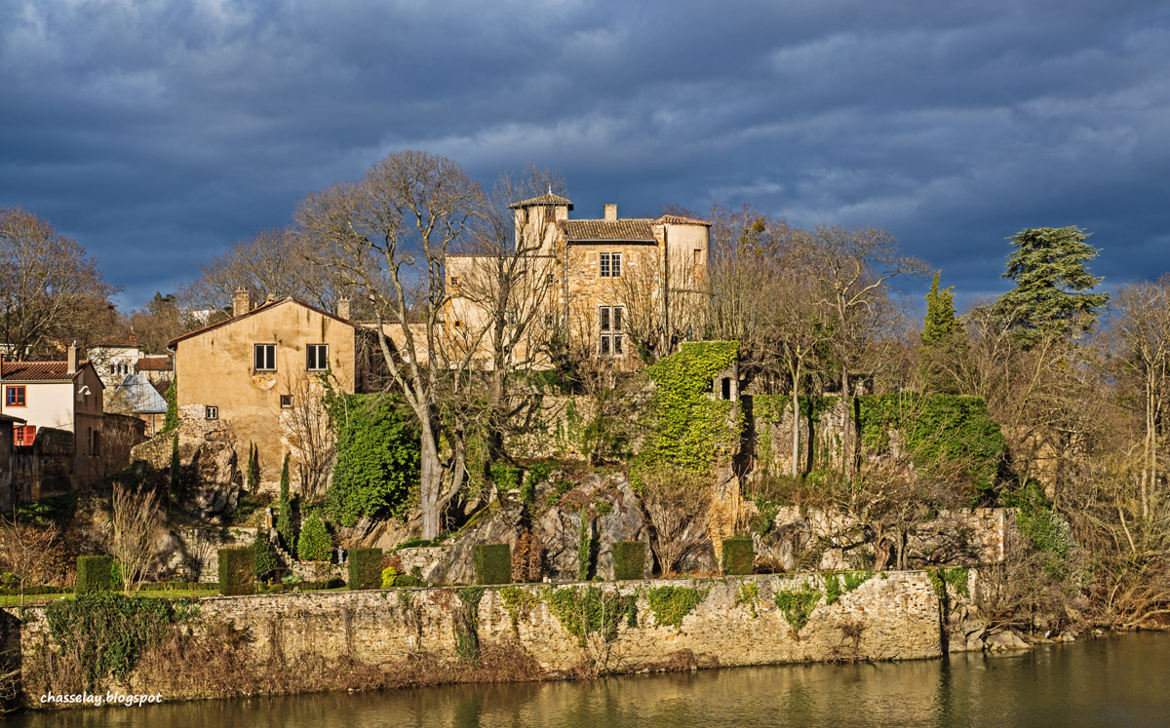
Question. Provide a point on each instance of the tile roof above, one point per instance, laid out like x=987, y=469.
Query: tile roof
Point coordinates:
x=549, y=199
x=630, y=230
x=39, y=371
x=680, y=220
x=155, y=364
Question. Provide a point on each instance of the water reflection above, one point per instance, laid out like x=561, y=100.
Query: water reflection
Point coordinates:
x=1122, y=681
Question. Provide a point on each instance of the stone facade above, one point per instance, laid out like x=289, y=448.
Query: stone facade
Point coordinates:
x=412, y=633
x=274, y=403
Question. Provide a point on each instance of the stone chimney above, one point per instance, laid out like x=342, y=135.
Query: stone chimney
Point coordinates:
x=611, y=211
x=343, y=308
x=241, y=302
x=72, y=358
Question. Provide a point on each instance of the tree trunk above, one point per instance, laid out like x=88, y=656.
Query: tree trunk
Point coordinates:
x=795, y=432
x=847, y=427
x=430, y=481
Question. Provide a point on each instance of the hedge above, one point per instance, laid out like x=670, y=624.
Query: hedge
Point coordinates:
x=737, y=555
x=365, y=568
x=237, y=570
x=93, y=573
x=493, y=563
x=629, y=560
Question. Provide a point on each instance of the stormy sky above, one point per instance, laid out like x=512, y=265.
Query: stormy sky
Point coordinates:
x=158, y=133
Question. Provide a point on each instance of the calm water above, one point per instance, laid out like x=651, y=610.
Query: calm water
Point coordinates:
x=1118, y=681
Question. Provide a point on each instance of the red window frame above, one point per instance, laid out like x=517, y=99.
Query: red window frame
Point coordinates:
x=15, y=396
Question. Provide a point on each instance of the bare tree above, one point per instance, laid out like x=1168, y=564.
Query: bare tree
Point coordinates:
x=310, y=434
x=29, y=552
x=48, y=287
x=1141, y=325
x=388, y=237
x=137, y=522
x=851, y=267
x=274, y=263
x=676, y=504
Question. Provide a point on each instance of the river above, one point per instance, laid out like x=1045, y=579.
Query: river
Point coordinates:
x=1114, y=681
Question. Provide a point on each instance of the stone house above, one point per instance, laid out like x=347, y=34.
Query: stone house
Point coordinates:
x=605, y=285
x=261, y=371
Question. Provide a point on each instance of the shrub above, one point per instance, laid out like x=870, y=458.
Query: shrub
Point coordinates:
x=737, y=555
x=586, y=547
x=264, y=555
x=237, y=570
x=391, y=578
x=493, y=563
x=629, y=560
x=314, y=543
x=365, y=568
x=377, y=457
x=93, y=573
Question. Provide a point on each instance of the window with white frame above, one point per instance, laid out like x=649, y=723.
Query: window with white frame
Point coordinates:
x=211, y=412
x=264, y=359
x=610, y=265
x=317, y=357
x=612, y=328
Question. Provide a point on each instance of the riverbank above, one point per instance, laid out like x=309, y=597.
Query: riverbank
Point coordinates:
x=360, y=640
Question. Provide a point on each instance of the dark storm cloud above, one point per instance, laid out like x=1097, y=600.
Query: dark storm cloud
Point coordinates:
x=157, y=133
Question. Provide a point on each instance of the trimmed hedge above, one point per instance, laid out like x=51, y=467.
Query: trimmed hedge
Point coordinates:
x=737, y=555
x=93, y=573
x=365, y=568
x=629, y=560
x=493, y=563
x=237, y=570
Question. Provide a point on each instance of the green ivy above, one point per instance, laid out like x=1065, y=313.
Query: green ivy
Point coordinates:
x=832, y=588
x=854, y=579
x=467, y=624
x=749, y=594
x=586, y=547
x=107, y=633
x=797, y=605
x=936, y=429
x=583, y=611
x=671, y=604
x=171, y=420
x=377, y=466
x=518, y=603
x=687, y=428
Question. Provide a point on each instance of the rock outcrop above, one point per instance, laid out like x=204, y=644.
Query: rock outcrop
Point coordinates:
x=211, y=478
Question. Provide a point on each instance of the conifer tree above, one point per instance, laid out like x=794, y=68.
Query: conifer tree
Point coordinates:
x=1053, y=285
x=314, y=543
x=284, y=524
x=942, y=340
x=171, y=420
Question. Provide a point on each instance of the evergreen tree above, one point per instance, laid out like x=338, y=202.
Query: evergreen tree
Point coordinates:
x=1053, y=284
x=264, y=555
x=171, y=421
x=314, y=543
x=943, y=340
x=253, y=468
x=284, y=522
x=176, y=467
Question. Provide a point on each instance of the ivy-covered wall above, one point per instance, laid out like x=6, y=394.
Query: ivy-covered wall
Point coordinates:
x=939, y=431
x=686, y=427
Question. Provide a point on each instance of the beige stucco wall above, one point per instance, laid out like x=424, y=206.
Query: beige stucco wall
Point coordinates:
x=215, y=368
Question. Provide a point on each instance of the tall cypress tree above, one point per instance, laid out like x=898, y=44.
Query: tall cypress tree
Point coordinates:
x=943, y=340
x=1053, y=284
x=284, y=524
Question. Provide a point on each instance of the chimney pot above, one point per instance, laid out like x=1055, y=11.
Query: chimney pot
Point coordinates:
x=343, y=307
x=73, y=358
x=611, y=211
x=241, y=302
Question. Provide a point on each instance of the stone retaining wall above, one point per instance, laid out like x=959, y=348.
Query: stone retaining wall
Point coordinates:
x=384, y=638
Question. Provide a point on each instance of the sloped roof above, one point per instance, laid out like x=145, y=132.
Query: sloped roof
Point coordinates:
x=549, y=199
x=136, y=395
x=633, y=230
x=39, y=371
x=680, y=220
x=253, y=312
x=155, y=364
